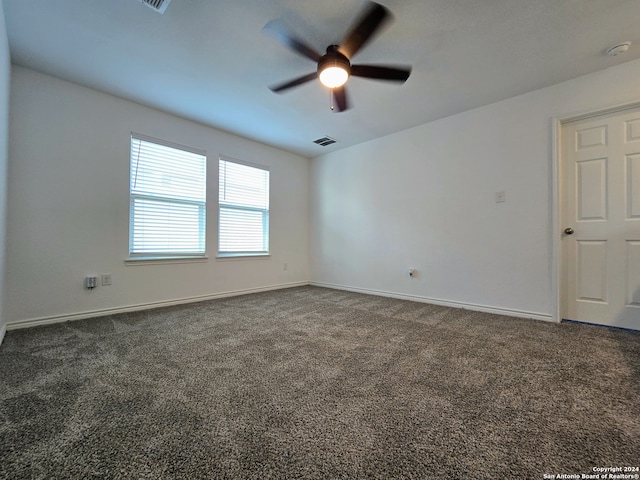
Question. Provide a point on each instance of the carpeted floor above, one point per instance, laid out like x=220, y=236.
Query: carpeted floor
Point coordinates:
x=316, y=383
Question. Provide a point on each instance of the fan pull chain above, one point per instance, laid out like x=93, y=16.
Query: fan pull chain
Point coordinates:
x=331, y=97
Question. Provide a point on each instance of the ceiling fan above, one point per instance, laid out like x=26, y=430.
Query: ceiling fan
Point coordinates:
x=334, y=67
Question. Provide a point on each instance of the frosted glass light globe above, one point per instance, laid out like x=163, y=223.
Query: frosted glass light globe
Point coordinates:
x=334, y=77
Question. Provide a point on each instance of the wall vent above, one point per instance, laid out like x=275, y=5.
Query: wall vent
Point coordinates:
x=158, y=5
x=324, y=141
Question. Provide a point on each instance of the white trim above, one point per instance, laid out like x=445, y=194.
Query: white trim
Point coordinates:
x=557, y=124
x=245, y=256
x=3, y=330
x=596, y=112
x=165, y=260
x=436, y=301
x=34, y=322
x=556, y=245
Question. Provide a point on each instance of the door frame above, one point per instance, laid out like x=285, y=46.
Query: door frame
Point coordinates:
x=557, y=124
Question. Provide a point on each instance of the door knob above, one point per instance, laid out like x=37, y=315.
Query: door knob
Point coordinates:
x=568, y=231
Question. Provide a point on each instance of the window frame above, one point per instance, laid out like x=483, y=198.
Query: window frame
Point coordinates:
x=142, y=257
x=266, y=213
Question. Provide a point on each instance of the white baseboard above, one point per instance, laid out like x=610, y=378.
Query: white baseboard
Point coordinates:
x=446, y=303
x=34, y=322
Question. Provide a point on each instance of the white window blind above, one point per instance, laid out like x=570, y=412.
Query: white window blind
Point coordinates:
x=168, y=199
x=243, y=209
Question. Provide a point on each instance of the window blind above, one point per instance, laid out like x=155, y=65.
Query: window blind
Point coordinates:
x=168, y=199
x=243, y=209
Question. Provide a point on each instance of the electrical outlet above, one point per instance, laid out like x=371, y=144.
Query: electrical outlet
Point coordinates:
x=501, y=196
x=91, y=282
x=413, y=272
x=106, y=279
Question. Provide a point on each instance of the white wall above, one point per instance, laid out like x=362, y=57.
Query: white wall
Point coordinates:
x=425, y=198
x=420, y=198
x=5, y=75
x=69, y=206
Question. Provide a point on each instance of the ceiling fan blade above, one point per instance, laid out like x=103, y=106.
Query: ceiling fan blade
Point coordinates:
x=280, y=32
x=381, y=72
x=340, y=96
x=364, y=29
x=294, y=83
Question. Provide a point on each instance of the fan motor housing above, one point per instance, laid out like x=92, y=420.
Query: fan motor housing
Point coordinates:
x=333, y=58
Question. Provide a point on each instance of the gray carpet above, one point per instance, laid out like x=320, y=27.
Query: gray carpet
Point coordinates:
x=316, y=383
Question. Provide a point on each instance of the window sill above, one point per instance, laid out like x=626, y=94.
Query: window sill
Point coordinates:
x=164, y=260
x=246, y=256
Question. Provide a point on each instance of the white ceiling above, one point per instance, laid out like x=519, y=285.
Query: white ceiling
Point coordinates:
x=208, y=60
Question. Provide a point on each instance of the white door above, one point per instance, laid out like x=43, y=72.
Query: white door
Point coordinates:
x=600, y=181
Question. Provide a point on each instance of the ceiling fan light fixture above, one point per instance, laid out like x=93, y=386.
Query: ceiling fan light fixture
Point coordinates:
x=333, y=68
x=334, y=77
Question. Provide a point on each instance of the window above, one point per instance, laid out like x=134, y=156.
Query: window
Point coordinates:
x=167, y=199
x=244, y=209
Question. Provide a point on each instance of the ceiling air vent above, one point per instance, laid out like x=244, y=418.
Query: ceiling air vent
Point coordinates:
x=158, y=5
x=324, y=141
